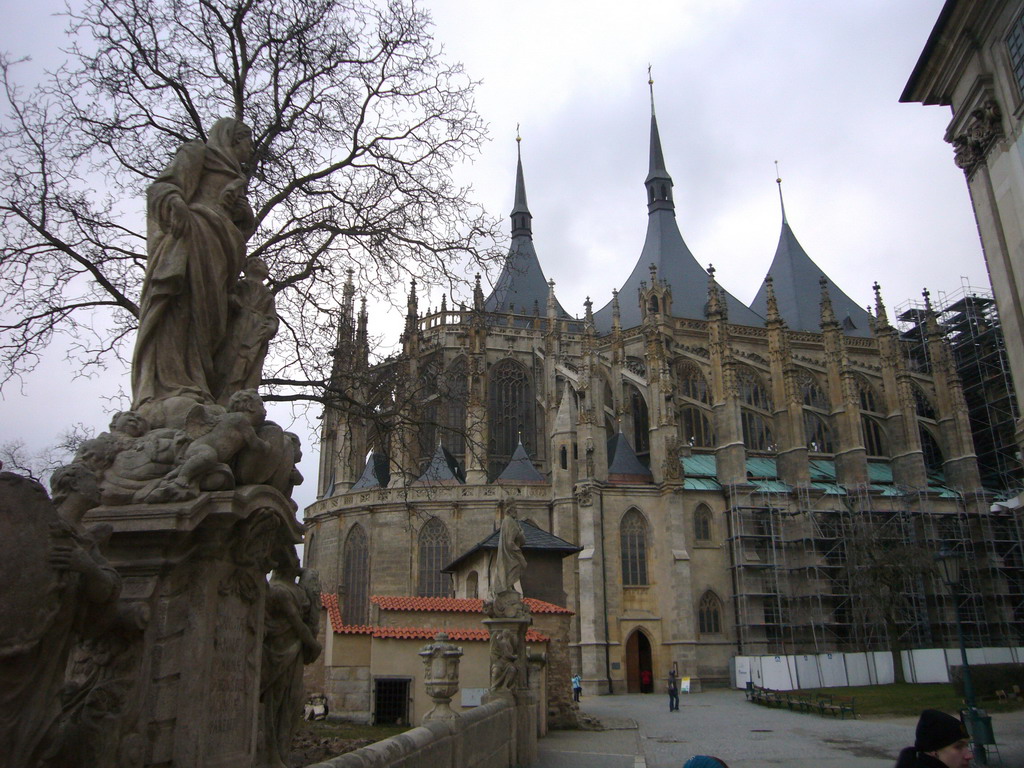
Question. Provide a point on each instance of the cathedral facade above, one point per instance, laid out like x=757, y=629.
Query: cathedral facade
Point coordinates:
x=729, y=473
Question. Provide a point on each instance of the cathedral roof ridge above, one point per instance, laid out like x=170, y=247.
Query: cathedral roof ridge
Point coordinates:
x=795, y=279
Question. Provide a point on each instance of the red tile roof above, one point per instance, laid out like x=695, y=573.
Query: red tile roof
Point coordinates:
x=427, y=633
x=330, y=602
x=455, y=604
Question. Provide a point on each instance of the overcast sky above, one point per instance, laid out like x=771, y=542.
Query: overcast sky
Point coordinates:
x=870, y=186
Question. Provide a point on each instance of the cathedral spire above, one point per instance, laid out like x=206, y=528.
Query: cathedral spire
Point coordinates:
x=782, y=203
x=658, y=182
x=521, y=217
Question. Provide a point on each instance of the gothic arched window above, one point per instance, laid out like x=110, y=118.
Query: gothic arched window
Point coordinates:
x=752, y=390
x=812, y=394
x=757, y=432
x=453, y=393
x=922, y=405
x=511, y=412
x=933, y=460
x=356, y=577
x=874, y=437
x=817, y=433
x=692, y=384
x=641, y=422
x=633, y=544
x=434, y=554
x=702, y=523
x=696, y=428
x=709, y=614
x=868, y=399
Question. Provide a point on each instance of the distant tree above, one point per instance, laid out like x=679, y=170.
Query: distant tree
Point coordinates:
x=884, y=570
x=16, y=457
x=358, y=122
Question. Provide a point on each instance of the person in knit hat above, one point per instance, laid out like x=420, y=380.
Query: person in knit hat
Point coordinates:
x=941, y=741
x=704, y=761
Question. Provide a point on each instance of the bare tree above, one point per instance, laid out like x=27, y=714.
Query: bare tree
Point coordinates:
x=885, y=570
x=16, y=457
x=357, y=120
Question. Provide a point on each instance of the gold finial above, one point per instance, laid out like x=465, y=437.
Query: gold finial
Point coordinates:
x=518, y=137
x=650, y=84
x=778, y=179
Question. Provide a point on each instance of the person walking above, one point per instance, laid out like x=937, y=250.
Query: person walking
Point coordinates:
x=940, y=741
x=577, y=687
x=673, y=691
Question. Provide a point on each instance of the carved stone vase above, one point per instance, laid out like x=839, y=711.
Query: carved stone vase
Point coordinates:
x=441, y=676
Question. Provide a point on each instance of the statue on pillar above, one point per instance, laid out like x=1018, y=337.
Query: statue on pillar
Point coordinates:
x=289, y=643
x=510, y=562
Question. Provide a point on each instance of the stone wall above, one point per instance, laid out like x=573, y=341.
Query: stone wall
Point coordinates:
x=484, y=737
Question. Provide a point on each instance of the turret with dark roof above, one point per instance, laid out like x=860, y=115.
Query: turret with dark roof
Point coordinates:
x=665, y=249
x=795, y=278
x=521, y=284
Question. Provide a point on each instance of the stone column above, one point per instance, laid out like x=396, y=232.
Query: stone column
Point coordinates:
x=197, y=571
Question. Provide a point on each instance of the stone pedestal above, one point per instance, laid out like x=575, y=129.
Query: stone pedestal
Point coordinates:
x=195, y=574
x=510, y=681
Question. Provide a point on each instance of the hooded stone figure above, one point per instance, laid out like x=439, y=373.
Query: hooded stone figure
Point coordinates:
x=198, y=223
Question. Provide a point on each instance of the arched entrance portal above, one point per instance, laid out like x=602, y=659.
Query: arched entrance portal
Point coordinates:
x=638, y=661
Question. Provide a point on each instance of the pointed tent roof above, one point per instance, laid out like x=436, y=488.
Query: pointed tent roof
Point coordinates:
x=795, y=278
x=520, y=469
x=623, y=465
x=443, y=469
x=376, y=473
x=521, y=284
x=665, y=249
x=536, y=539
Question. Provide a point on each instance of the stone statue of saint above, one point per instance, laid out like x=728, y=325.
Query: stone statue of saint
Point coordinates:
x=253, y=324
x=289, y=642
x=510, y=561
x=504, y=671
x=57, y=590
x=198, y=223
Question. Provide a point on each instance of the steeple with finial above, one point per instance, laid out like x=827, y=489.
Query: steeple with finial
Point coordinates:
x=658, y=182
x=521, y=284
x=521, y=217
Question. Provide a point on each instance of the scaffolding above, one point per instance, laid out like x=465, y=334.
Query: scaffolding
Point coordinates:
x=970, y=323
x=801, y=558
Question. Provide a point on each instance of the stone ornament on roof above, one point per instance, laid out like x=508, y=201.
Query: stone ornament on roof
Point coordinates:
x=441, y=676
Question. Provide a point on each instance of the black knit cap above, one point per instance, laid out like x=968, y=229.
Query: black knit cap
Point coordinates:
x=936, y=730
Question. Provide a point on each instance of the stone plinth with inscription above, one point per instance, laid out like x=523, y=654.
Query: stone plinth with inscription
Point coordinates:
x=195, y=572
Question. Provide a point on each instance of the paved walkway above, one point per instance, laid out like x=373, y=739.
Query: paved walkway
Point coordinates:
x=743, y=734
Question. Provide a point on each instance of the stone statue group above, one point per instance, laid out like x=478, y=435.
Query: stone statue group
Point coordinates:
x=71, y=644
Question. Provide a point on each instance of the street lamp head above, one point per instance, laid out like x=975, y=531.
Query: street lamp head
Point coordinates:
x=949, y=566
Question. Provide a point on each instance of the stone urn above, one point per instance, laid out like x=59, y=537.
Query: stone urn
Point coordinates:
x=441, y=676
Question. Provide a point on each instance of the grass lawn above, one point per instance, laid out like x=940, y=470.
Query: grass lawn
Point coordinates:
x=910, y=698
x=354, y=730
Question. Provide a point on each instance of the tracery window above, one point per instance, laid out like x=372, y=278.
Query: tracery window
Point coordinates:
x=874, y=437
x=709, y=614
x=453, y=393
x=817, y=433
x=696, y=427
x=434, y=554
x=922, y=405
x=702, y=523
x=812, y=394
x=692, y=384
x=633, y=545
x=757, y=433
x=510, y=414
x=868, y=399
x=752, y=390
x=356, y=577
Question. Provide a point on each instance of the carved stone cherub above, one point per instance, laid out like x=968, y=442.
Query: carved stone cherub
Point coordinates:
x=221, y=439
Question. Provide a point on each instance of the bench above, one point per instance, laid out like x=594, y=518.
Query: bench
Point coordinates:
x=799, y=703
x=837, y=706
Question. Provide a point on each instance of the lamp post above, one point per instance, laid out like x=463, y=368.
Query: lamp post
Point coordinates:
x=950, y=566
